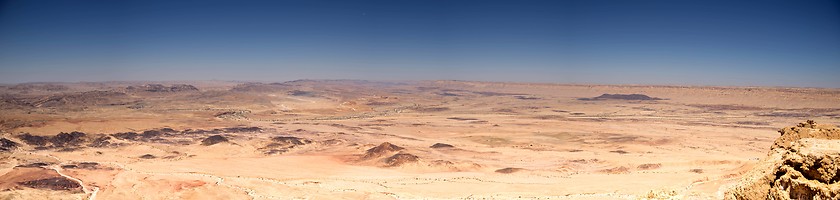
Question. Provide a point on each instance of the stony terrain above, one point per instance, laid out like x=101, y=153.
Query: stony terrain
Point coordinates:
x=804, y=163
x=344, y=139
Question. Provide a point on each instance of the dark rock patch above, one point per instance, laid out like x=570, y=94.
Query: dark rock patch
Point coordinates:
x=508, y=170
x=82, y=165
x=441, y=145
x=182, y=88
x=461, y=118
x=300, y=93
x=126, y=135
x=148, y=135
x=162, y=88
x=151, y=134
x=722, y=107
x=236, y=114
x=56, y=183
x=86, y=166
x=431, y=109
x=34, y=165
x=291, y=140
x=167, y=130
x=382, y=149
x=283, y=144
x=631, y=97
x=333, y=142
x=214, y=140
x=527, y=98
x=101, y=141
x=401, y=159
x=74, y=138
x=33, y=139
x=242, y=129
x=68, y=149
x=619, y=151
x=148, y=156
x=7, y=145
x=496, y=94
x=200, y=131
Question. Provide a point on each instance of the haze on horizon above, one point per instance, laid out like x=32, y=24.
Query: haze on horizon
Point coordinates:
x=748, y=43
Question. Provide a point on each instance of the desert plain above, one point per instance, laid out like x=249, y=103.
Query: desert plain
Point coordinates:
x=350, y=139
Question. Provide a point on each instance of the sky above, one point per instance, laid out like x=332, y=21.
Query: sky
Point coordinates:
x=727, y=43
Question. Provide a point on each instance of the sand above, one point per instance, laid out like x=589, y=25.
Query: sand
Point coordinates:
x=508, y=140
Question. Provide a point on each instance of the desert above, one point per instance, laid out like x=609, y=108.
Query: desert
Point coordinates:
x=353, y=139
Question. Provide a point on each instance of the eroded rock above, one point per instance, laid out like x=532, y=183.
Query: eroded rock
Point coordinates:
x=381, y=150
x=74, y=138
x=441, y=145
x=214, y=140
x=33, y=139
x=804, y=163
x=401, y=159
x=56, y=183
x=7, y=145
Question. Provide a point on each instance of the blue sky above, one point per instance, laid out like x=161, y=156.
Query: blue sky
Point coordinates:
x=753, y=43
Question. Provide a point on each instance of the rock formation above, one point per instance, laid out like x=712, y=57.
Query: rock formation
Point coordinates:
x=803, y=163
x=401, y=159
x=441, y=145
x=288, y=140
x=215, y=139
x=508, y=170
x=7, y=145
x=382, y=149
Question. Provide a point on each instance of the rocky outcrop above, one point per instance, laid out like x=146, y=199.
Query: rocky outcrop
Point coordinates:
x=213, y=140
x=808, y=129
x=62, y=139
x=289, y=140
x=381, y=150
x=56, y=183
x=148, y=156
x=74, y=138
x=401, y=159
x=7, y=145
x=441, y=145
x=33, y=139
x=101, y=141
x=234, y=114
x=804, y=163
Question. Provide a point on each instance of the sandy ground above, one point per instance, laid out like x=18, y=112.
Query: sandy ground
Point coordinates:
x=508, y=140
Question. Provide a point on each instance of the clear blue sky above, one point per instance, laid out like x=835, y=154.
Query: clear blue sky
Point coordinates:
x=761, y=42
